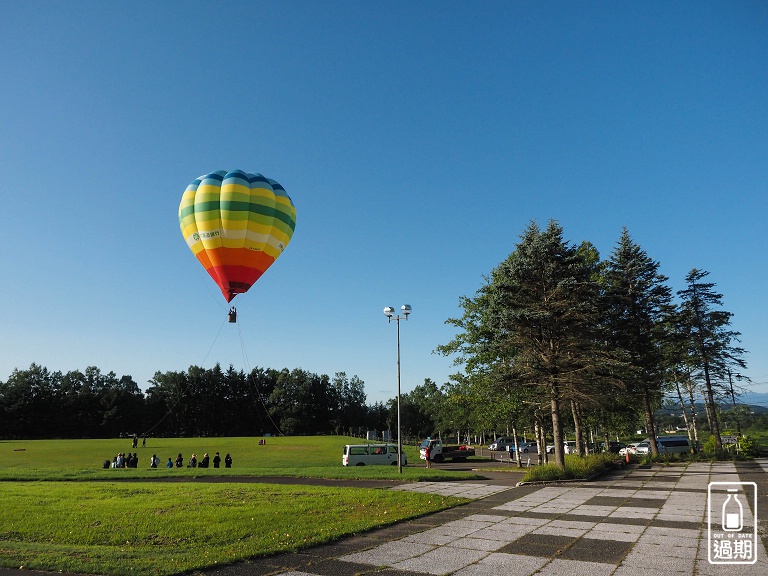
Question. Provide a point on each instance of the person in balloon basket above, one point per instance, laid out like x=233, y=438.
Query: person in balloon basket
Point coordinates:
x=227, y=461
x=216, y=460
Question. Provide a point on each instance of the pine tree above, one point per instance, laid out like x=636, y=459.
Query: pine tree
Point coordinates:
x=638, y=299
x=710, y=341
x=537, y=324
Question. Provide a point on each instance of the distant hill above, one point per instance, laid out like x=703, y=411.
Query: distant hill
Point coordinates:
x=754, y=398
x=756, y=402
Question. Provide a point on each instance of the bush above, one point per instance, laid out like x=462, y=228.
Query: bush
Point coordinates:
x=677, y=458
x=709, y=447
x=576, y=467
x=749, y=446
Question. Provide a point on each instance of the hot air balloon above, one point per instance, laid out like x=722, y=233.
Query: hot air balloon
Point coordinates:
x=236, y=224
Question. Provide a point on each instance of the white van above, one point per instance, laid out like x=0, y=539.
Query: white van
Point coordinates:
x=673, y=444
x=371, y=454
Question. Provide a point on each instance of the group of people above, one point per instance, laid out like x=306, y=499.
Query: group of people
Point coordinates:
x=123, y=461
x=204, y=463
x=132, y=461
x=143, y=440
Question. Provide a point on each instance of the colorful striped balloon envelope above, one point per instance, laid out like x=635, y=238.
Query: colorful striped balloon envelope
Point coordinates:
x=236, y=224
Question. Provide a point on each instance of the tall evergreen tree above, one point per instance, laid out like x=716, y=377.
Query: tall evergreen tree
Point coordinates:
x=710, y=339
x=537, y=324
x=638, y=299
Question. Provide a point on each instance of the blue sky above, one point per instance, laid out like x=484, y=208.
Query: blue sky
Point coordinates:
x=417, y=141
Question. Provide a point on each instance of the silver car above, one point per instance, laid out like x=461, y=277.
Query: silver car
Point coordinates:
x=502, y=443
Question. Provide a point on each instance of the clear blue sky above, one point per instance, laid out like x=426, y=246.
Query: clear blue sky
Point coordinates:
x=417, y=140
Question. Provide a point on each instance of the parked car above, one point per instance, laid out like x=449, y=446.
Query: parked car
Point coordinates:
x=643, y=448
x=569, y=446
x=673, y=444
x=628, y=448
x=502, y=443
x=525, y=447
x=613, y=447
x=665, y=444
x=362, y=454
x=507, y=443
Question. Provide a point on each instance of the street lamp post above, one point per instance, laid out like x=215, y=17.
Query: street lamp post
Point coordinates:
x=389, y=312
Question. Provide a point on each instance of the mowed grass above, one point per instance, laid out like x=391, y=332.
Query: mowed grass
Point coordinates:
x=121, y=522
x=160, y=528
x=301, y=456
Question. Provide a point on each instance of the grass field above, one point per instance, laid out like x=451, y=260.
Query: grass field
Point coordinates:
x=121, y=522
x=303, y=456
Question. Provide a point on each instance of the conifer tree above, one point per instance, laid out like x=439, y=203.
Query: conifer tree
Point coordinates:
x=638, y=299
x=709, y=339
x=537, y=323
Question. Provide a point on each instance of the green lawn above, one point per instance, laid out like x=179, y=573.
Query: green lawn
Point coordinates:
x=303, y=456
x=136, y=526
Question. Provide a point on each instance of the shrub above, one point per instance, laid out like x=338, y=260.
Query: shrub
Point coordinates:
x=749, y=446
x=709, y=446
x=576, y=467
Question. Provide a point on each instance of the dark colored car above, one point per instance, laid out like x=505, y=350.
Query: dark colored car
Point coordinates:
x=613, y=447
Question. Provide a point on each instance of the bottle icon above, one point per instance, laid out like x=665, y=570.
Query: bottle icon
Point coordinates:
x=733, y=513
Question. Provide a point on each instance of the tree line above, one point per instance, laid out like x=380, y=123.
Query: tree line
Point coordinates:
x=38, y=403
x=559, y=337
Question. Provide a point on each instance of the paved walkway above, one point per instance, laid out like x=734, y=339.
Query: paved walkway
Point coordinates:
x=647, y=521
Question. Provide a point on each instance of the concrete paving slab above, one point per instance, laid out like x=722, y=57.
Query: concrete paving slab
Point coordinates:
x=626, y=521
x=602, y=551
x=500, y=564
x=593, y=510
x=666, y=549
x=671, y=534
x=486, y=518
x=434, y=537
x=572, y=532
x=559, y=567
x=482, y=543
x=617, y=493
x=503, y=533
x=544, y=545
x=629, y=512
x=389, y=553
x=639, y=571
x=617, y=536
x=667, y=564
x=525, y=521
x=441, y=561
x=613, y=527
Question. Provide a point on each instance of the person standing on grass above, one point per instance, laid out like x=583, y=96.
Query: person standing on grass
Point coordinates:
x=427, y=454
x=216, y=460
x=228, y=461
